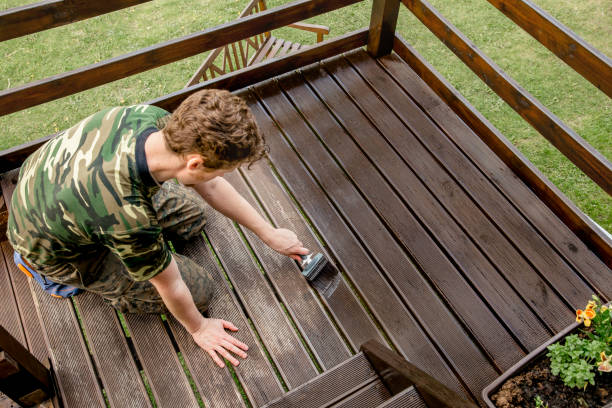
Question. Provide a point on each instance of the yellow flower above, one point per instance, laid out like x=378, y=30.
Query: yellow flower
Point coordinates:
x=605, y=365
x=591, y=305
x=585, y=315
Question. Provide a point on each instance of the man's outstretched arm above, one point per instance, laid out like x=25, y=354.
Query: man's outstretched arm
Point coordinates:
x=209, y=334
x=222, y=196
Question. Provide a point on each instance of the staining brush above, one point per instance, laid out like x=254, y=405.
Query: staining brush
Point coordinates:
x=321, y=273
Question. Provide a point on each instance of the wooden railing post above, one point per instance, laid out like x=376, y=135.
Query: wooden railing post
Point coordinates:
x=382, y=27
x=22, y=377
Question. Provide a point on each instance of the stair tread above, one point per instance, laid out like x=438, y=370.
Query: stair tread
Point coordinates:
x=325, y=388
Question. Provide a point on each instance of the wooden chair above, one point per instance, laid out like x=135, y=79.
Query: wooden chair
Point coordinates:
x=261, y=47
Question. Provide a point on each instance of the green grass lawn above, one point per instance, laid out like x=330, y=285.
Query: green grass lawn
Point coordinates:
x=565, y=93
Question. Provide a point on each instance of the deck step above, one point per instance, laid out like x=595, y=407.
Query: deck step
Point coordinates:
x=409, y=398
x=335, y=386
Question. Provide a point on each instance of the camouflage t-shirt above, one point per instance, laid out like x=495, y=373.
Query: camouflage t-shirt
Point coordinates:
x=87, y=189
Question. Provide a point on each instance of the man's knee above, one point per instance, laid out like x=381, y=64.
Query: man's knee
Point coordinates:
x=180, y=211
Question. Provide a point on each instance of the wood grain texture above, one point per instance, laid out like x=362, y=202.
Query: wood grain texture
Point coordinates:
x=80, y=79
x=589, y=62
x=543, y=239
x=34, y=338
x=111, y=353
x=381, y=299
x=397, y=374
x=382, y=27
x=399, y=268
x=343, y=305
x=10, y=318
x=409, y=398
x=584, y=156
x=495, y=241
x=431, y=260
x=273, y=326
x=160, y=362
x=316, y=328
x=580, y=225
x=32, y=18
x=325, y=388
x=255, y=373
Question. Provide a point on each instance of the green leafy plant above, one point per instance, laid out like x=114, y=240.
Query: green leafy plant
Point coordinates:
x=539, y=403
x=578, y=359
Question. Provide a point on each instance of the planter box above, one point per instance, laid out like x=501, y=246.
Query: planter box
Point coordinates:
x=525, y=361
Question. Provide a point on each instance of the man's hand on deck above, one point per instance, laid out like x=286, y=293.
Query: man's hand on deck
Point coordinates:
x=285, y=241
x=212, y=337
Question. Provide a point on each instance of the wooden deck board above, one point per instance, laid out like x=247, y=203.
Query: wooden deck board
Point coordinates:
x=392, y=314
x=273, y=326
x=116, y=367
x=343, y=305
x=563, y=280
x=442, y=251
x=540, y=218
x=10, y=318
x=317, y=329
x=255, y=373
x=428, y=257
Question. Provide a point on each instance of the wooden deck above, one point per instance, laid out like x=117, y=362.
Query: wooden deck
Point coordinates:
x=445, y=255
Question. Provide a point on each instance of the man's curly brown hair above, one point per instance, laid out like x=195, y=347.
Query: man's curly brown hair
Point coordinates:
x=217, y=125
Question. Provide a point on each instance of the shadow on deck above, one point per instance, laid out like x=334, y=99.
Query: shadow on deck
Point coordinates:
x=445, y=256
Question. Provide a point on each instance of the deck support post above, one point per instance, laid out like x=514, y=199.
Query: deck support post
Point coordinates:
x=23, y=378
x=382, y=27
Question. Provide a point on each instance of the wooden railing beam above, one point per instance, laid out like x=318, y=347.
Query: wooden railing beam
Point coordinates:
x=32, y=18
x=382, y=27
x=594, y=66
x=13, y=157
x=68, y=83
x=584, y=156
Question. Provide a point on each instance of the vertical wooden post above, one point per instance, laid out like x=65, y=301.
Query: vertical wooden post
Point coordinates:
x=22, y=377
x=382, y=27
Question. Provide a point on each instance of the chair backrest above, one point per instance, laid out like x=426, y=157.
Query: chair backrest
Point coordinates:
x=234, y=55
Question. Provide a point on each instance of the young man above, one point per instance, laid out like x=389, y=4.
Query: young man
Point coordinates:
x=90, y=210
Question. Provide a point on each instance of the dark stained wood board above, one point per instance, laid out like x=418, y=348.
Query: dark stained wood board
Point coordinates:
x=429, y=310
x=273, y=326
x=160, y=362
x=370, y=395
x=34, y=337
x=508, y=220
x=43, y=15
x=540, y=218
x=470, y=259
x=255, y=373
x=111, y=353
x=409, y=398
x=343, y=305
x=381, y=298
x=456, y=198
x=325, y=388
x=316, y=328
x=431, y=259
x=10, y=318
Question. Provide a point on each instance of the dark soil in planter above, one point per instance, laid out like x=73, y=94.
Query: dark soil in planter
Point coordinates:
x=537, y=380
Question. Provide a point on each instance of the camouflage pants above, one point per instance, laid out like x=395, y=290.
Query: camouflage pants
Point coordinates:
x=180, y=212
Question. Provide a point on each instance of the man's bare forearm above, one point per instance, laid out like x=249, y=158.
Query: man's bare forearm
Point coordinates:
x=223, y=197
x=177, y=297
